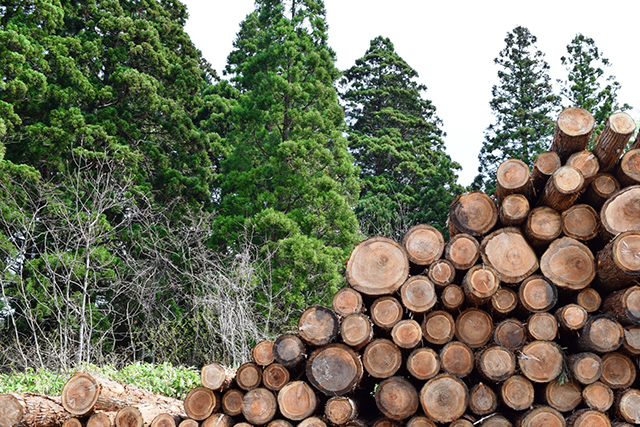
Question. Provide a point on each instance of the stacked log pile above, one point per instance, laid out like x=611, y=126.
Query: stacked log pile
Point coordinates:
x=528, y=316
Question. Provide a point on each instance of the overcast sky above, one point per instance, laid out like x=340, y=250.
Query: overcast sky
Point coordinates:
x=452, y=45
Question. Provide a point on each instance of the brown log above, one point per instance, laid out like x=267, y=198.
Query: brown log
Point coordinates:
x=541, y=361
x=601, y=334
x=386, y=312
x=275, y=376
x=259, y=405
x=420, y=421
x=564, y=396
x=572, y=131
x=218, y=420
x=424, y=244
x=279, y=423
x=580, y=222
x=618, y=370
x=624, y=305
x=587, y=163
x=512, y=177
x=423, y=363
x=628, y=405
x=99, y=419
x=586, y=367
x=153, y=416
x=504, y=301
x=200, y=403
x=514, y=210
x=480, y=283
x=452, y=297
x=356, y=330
x=297, y=401
x=536, y=294
x=631, y=341
x=232, y=401
x=193, y=423
x=621, y=212
x=262, y=353
x=32, y=410
x=339, y=410
x=381, y=358
x=517, y=393
x=461, y=422
x=543, y=225
x=72, y=422
x=542, y=416
x=334, y=369
x=444, y=398
x=217, y=377
x=590, y=299
x=377, y=266
x=496, y=363
x=129, y=416
x=418, y=294
x=386, y=422
x=249, y=376
x=347, y=301
x=619, y=261
x=482, y=399
x=588, y=418
x=496, y=420
x=571, y=317
x=472, y=213
x=562, y=189
x=438, y=327
x=544, y=166
x=601, y=188
x=613, y=139
x=569, y=264
x=462, y=251
x=456, y=358
x=542, y=327
x=318, y=325
x=289, y=351
x=243, y=424
x=598, y=396
x=396, y=398
x=312, y=422
x=474, y=327
x=628, y=170
x=442, y=272
x=406, y=334
x=510, y=333
x=510, y=254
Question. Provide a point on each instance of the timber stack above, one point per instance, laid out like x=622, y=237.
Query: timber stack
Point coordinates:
x=528, y=316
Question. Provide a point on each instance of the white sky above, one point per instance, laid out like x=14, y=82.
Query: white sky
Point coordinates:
x=452, y=45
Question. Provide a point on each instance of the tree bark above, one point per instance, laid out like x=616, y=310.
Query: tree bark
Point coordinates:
x=587, y=163
x=619, y=261
x=510, y=254
x=624, y=305
x=347, y=301
x=31, y=410
x=462, y=251
x=611, y=143
x=438, y=327
x=424, y=244
x=318, y=326
x=562, y=189
x=397, y=398
x=544, y=167
x=335, y=369
x=572, y=131
x=297, y=401
x=514, y=210
x=418, y=294
x=569, y=264
x=512, y=177
x=444, y=398
x=275, y=376
x=381, y=358
x=472, y=213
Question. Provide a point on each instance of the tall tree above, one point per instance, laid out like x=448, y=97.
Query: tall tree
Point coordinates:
x=395, y=136
x=287, y=172
x=523, y=104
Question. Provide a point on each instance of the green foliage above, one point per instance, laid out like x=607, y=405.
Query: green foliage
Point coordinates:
x=523, y=105
x=395, y=136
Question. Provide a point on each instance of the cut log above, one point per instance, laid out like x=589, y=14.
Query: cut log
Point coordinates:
x=424, y=244
x=275, y=376
x=377, y=266
x=438, y=327
x=262, y=353
x=624, y=305
x=621, y=212
x=572, y=131
x=510, y=254
x=347, y=301
x=72, y=422
x=544, y=167
x=444, y=398
x=129, y=416
x=278, y=423
x=418, y=294
x=562, y=189
x=601, y=334
x=193, y=423
x=386, y=422
x=543, y=225
x=590, y=299
x=504, y=301
x=335, y=369
x=386, y=312
x=382, y=358
x=510, y=333
x=482, y=399
x=217, y=377
x=452, y=297
x=569, y=264
x=232, y=401
x=588, y=418
x=318, y=325
x=200, y=403
x=517, y=393
x=217, y=420
x=397, y=398
x=461, y=422
x=542, y=416
x=598, y=396
x=442, y=272
x=480, y=283
x=541, y=361
x=619, y=261
x=312, y=422
x=631, y=341
x=612, y=141
x=618, y=371
x=628, y=171
x=297, y=401
x=474, y=327
x=628, y=405
x=564, y=396
x=601, y=188
x=586, y=367
x=100, y=419
x=472, y=213
x=249, y=376
x=587, y=163
x=356, y=330
x=420, y=421
x=542, y=327
x=514, y=210
x=512, y=177
x=462, y=251
x=457, y=359
x=571, y=317
x=406, y=334
x=31, y=410
x=423, y=363
x=536, y=294
x=339, y=410
x=580, y=222
x=259, y=405
x=496, y=363
x=288, y=350
x=496, y=420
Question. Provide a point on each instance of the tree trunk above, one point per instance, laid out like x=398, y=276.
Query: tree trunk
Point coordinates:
x=31, y=410
x=474, y=327
x=397, y=398
x=511, y=334
x=382, y=358
x=418, y=294
x=572, y=132
x=543, y=168
x=442, y=272
x=482, y=399
x=517, y=393
x=598, y=396
x=340, y=410
x=356, y=330
x=514, y=210
x=541, y=361
x=509, y=253
x=512, y=177
x=462, y=251
x=536, y=294
x=456, y=358
x=601, y=188
x=262, y=353
x=613, y=140
x=496, y=363
x=289, y=351
x=347, y=301
x=297, y=401
x=438, y=327
x=571, y=317
x=628, y=171
x=424, y=244
x=259, y=406
x=386, y=312
x=200, y=403
x=444, y=398
x=569, y=264
x=480, y=283
x=586, y=367
x=562, y=189
x=543, y=225
x=631, y=341
x=619, y=261
x=472, y=213
x=628, y=404
x=274, y=377
x=217, y=377
x=232, y=402
x=587, y=163
x=542, y=327
x=621, y=212
x=318, y=326
x=564, y=396
x=618, y=371
x=406, y=334
x=335, y=369
x=423, y=363
x=624, y=305
x=601, y=334
x=249, y=376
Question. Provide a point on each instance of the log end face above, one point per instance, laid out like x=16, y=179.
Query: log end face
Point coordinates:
x=377, y=266
x=569, y=264
x=622, y=123
x=11, y=411
x=199, y=403
x=510, y=254
x=424, y=244
x=473, y=213
x=576, y=121
x=296, y=401
x=444, y=398
x=541, y=361
x=512, y=174
x=80, y=393
x=334, y=370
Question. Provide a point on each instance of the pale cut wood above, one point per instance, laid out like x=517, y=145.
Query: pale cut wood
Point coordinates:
x=262, y=353
x=462, y=251
x=536, y=294
x=482, y=399
x=472, y=213
x=631, y=341
x=601, y=334
x=347, y=301
x=420, y=421
x=129, y=416
x=249, y=376
x=542, y=416
x=564, y=396
x=356, y=330
x=581, y=222
x=72, y=422
x=571, y=317
x=452, y=297
x=259, y=406
x=424, y=244
x=517, y=392
x=496, y=363
x=396, y=398
x=100, y=419
x=569, y=264
x=377, y=266
x=217, y=377
x=386, y=422
x=297, y=401
x=510, y=254
x=601, y=188
x=512, y=177
x=496, y=420
x=442, y=272
x=423, y=363
x=340, y=410
x=542, y=326
x=386, y=312
x=611, y=143
x=588, y=418
x=232, y=402
x=318, y=325
x=474, y=327
x=624, y=305
x=590, y=299
x=619, y=261
x=514, y=210
x=585, y=367
x=289, y=350
x=217, y=420
x=334, y=369
x=541, y=361
x=418, y=294
x=11, y=411
x=457, y=359
x=628, y=405
x=510, y=333
x=444, y=398
x=438, y=327
x=628, y=170
x=544, y=166
x=621, y=212
x=274, y=377
x=504, y=301
x=618, y=370
x=193, y=423
x=461, y=422
x=572, y=131
x=312, y=422
x=598, y=396
x=480, y=283
x=200, y=403
x=243, y=424
x=562, y=189
x=543, y=225
x=279, y=423
x=406, y=334
x=587, y=163
x=381, y=358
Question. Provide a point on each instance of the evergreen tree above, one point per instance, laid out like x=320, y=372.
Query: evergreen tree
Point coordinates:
x=396, y=140
x=287, y=173
x=523, y=105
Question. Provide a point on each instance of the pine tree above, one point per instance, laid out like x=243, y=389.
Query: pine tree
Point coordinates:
x=396, y=140
x=523, y=105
